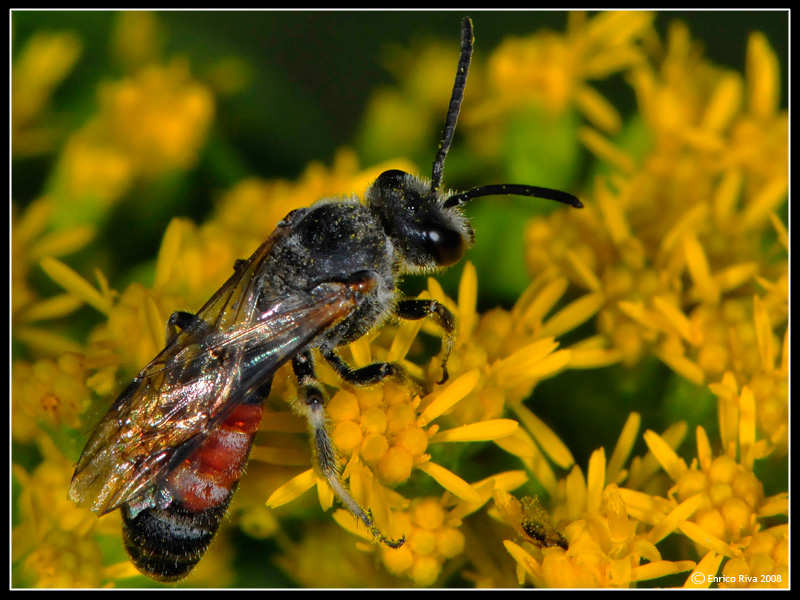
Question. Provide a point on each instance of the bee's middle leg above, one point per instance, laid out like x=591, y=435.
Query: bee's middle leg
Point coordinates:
x=371, y=374
x=311, y=404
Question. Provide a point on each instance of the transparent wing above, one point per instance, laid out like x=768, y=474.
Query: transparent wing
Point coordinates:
x=230, y=349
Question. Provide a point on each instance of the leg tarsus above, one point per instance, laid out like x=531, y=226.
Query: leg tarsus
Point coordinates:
x=310, y=404
x=415, y=309
x=364, y=376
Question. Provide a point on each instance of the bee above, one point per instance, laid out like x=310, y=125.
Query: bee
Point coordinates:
x=171, y=449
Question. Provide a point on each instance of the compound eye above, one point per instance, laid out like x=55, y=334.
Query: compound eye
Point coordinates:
x=445, y=245
x=391, y=179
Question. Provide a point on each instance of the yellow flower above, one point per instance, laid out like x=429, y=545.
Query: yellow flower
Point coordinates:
x=159, y=118
x=51, y=537
x=401, y=121
x=30, y=243
x=514, y=350
x=381, y=436
x=138, y=38
x=671, y=238
x=764, y=397
x=552, y=69
x=603, y=544
x=149, y=124
x=432, y=537
x=764, y=563
x=323, y=557
x=41, y=66
x=726, y=496
x=47, y=391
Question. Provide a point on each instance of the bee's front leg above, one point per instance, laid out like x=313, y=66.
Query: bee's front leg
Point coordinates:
x=415, y=309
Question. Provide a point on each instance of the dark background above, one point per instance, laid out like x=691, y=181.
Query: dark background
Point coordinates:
x=324, y=64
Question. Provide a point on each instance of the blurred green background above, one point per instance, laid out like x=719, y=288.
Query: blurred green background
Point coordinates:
x=312, y=72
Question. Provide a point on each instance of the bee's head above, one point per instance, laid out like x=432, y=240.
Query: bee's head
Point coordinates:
x=425, y=223
x=425, y=232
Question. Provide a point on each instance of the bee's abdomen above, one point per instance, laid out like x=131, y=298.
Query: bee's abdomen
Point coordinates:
x=166, y=543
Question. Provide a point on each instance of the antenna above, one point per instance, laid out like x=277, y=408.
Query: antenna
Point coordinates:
x=509, y=189
x=512, y=189
x=467, y=40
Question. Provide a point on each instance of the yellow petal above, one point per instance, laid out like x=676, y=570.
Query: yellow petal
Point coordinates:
x=683, y=366
x=605, y=150
x=644, y=507
x=623, y=447
x=666, y=456
x=574, y=314
x=54, y=307
x=467, y=301
x=477, y=432
x=547, y=439
x=47, y=341
x=292, y=489
x=768, y=200
x=362, y=355
x=747, y=426
x=168, y=253
x=403, y=339
x=508, y=480
x=121, y=570
x=547, y=367
x=763, y=334
x=708, y=567
x=450, y=481
x=524, y=560
x=485, y=490
x=616, y=28
x=325, y=494
x=576, y=493
x=593, y=358
x=775, y=505
x=679, y=321
x=595, y=480
x=727, y=195
x=454, y=393
x=763, y=77
x=780, y=230
x=707, y=540
x=735, y=276
x=724, y=103
x=704, y=455
x=63, y=242
x=660, y=568
x=348, y=522
x=587, y=275
x=545, y=300
x=519, y=444
x=155, y=324
x=697, y=263
x=599, y=111
x=680, y=513
x=617, y=515
x=523, y=359
x=74, y=283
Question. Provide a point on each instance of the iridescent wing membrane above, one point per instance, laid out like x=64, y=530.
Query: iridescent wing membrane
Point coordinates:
x=234, y=345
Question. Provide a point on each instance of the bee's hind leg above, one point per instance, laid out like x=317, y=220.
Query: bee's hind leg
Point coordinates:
x=310, y=404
